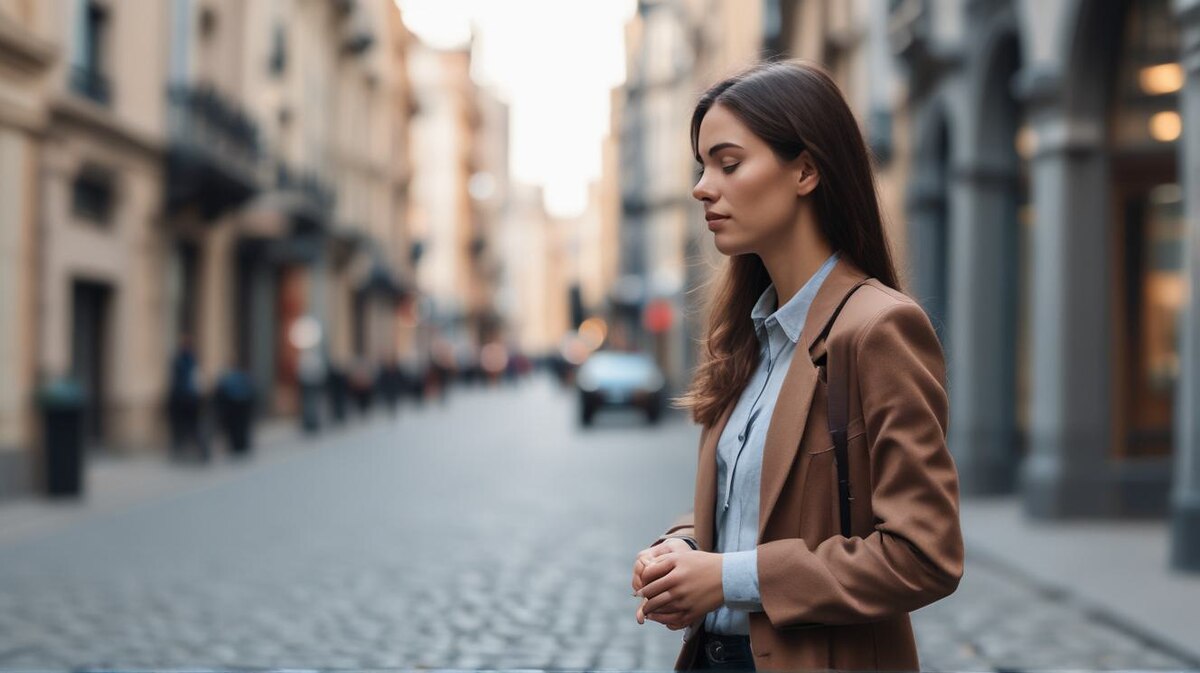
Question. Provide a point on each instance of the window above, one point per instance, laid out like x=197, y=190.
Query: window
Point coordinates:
x=92, y=195
x=278, y=59
x=87, y=74
x=1149, y=77
x=208, y=23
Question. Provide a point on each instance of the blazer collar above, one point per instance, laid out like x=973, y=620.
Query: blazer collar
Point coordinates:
x=844, y=276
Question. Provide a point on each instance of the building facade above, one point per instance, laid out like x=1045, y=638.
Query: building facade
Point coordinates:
x=454, y=134
x=25, y=65
x=211, y=169
x=101, y=240
x=675, y=49
x=1050, y=232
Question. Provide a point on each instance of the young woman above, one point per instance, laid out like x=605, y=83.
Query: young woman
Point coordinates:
x=762, y=575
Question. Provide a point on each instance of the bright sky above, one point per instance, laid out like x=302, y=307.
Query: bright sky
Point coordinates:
x=554, y=62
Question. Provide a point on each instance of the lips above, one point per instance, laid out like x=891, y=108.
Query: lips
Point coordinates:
x=715, y=220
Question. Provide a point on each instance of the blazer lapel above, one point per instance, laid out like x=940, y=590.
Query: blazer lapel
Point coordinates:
x=706, y=483
x=795, y=397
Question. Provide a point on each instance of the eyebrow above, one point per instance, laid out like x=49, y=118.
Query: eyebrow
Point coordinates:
x=720, y=146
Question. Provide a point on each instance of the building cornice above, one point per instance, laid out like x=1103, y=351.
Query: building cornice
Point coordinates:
x=71, y=110
x=22, y=50
x=25, y=118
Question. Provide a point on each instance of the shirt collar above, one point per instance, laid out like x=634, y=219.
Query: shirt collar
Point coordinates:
x=790, y=316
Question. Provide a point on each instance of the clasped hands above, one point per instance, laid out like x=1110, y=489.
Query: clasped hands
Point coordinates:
x=677, y=584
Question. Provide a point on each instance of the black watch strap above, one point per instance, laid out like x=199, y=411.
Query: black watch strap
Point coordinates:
x=691, y=541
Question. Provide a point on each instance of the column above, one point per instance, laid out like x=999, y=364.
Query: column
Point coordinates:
x=1070, y=434
x=927, y=234
x=1185, y=493
x=982, y=357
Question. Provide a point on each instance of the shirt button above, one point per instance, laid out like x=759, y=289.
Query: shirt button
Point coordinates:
x=741, y=438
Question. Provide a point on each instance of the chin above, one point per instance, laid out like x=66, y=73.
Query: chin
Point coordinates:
x=728, y=248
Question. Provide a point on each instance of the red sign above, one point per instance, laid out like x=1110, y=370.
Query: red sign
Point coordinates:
x=658, y=316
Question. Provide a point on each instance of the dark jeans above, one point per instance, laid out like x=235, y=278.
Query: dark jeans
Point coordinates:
x=725, y=653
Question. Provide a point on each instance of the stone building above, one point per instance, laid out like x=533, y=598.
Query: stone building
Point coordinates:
x=211, y=168
x=675, y=49
x=27, y=60
x=454, y=134
x=1050, y=228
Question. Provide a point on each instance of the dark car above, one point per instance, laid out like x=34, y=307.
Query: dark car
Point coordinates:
x=618, y=379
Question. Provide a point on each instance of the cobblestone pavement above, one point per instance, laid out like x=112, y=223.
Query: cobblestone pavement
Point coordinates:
x=999, y=621
x=487, y=533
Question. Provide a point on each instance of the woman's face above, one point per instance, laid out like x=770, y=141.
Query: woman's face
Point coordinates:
x=743, y=179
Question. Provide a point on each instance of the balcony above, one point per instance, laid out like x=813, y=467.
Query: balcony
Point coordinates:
x=89, y=82
x=213, y=156
x=308, y=199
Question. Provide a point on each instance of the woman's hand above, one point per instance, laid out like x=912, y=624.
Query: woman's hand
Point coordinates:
x=646, y=556
x=681, y=587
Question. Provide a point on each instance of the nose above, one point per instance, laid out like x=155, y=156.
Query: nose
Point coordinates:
x=702, y=192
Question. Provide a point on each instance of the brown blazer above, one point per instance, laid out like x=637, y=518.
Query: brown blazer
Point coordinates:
x=830, y=602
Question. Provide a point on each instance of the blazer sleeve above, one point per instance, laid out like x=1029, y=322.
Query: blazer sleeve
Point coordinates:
x=915, y=554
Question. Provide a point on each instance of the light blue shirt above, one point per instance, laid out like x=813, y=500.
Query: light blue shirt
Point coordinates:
x=740, y=450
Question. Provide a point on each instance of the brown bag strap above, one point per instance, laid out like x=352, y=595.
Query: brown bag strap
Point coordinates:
x=838, y=400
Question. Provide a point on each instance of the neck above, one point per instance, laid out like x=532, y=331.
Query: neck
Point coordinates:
x=794, y=260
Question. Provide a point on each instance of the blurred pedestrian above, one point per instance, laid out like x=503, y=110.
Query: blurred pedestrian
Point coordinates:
x=441, y=367
x=337, y=387
x=362, y=383
x=827, y=501
x=184, y=402
x=311, y=376
x=391, y=383
x=234, y=400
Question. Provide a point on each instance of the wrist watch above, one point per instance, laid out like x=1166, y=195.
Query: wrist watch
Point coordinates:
x=691, y=542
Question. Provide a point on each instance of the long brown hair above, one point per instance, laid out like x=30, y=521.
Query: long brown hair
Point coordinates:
x=792, y=105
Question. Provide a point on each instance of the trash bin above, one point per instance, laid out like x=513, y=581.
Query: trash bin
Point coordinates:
x=61, y=404
x=235, y=409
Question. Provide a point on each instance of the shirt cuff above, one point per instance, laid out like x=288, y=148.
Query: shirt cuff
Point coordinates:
x=739, y=580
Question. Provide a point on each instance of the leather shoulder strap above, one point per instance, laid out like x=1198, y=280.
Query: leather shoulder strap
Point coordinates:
x=838, y=400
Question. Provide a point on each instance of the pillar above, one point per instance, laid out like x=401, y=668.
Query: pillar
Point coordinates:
x=1185, y=493
x=1070, y=435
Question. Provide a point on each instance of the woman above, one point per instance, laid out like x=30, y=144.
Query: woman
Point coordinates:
x=762, y=576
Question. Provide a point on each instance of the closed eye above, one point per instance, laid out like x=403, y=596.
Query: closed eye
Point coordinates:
x=727, y=169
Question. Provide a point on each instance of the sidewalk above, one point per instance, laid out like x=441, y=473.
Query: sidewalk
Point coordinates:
x=1117, y=570
x=114, y=483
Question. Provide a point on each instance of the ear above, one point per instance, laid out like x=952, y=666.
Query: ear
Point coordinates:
x=807, y=176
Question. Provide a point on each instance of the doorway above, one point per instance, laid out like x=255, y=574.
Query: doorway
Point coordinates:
x=1148, y=229
x=90, y=316
x=1150, y=292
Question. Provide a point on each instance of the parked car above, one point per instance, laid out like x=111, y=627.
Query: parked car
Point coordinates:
x=619, y=379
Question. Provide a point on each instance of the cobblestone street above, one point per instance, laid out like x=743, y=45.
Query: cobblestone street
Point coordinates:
x=487, y=533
